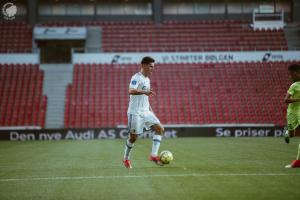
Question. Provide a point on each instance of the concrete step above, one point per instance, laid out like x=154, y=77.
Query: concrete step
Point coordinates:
x=56, y=79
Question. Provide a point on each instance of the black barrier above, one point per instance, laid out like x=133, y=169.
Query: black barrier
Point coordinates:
x=113, y=133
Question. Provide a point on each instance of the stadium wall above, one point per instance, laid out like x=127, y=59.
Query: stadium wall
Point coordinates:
x=114, y=133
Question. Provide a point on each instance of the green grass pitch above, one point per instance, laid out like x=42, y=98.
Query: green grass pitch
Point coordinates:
x=203, y=168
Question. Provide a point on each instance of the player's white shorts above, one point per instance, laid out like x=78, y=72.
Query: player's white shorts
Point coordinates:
x=137, y=123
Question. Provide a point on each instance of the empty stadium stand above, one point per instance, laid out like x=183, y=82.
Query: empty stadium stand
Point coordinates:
x=185, y=94
x=213, y=93
x=15, y=37
x=131, y=36
x=22, y=102
x=202, y=35
x=183, y=36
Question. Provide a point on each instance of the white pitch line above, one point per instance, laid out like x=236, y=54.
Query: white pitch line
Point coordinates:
x=142, y=176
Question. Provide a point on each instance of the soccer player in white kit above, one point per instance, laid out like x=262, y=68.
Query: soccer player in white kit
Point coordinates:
x=140, y=114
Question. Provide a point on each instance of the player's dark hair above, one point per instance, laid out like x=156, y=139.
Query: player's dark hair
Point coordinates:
x=147, y=60
x=294, y=68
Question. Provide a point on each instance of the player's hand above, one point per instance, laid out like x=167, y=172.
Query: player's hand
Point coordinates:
x=150, y=93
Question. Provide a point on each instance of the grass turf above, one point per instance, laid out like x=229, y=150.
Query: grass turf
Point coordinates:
x=203, y=168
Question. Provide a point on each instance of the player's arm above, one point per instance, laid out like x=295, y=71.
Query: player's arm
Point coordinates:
x=134, y=88
x=288, y=99
x=133, y=91
x=150, y=108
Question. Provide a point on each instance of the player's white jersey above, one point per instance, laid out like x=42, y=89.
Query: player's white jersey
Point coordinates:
x=139, y=103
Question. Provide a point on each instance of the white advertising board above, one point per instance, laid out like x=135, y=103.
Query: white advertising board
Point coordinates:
x=59, y=33
x=19, y=58
x=190, y=57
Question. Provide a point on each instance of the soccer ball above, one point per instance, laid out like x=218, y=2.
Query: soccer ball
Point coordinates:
x=166, y=157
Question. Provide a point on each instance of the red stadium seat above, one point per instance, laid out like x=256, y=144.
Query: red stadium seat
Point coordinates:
x=181, y=36
x=22, y=101
x=16, y=37
x=186, y=94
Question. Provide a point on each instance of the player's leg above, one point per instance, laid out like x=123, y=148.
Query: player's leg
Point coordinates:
x=152, y=122
x=295, y=163
x=288, y=134
x=298, y=155
x=128, y=147
x=134, y=127
x=289, y=131
x=156, y=140
x=293, y=123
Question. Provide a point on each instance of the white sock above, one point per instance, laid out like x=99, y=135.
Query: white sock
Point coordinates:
x=155, y=144
x=128, y=148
